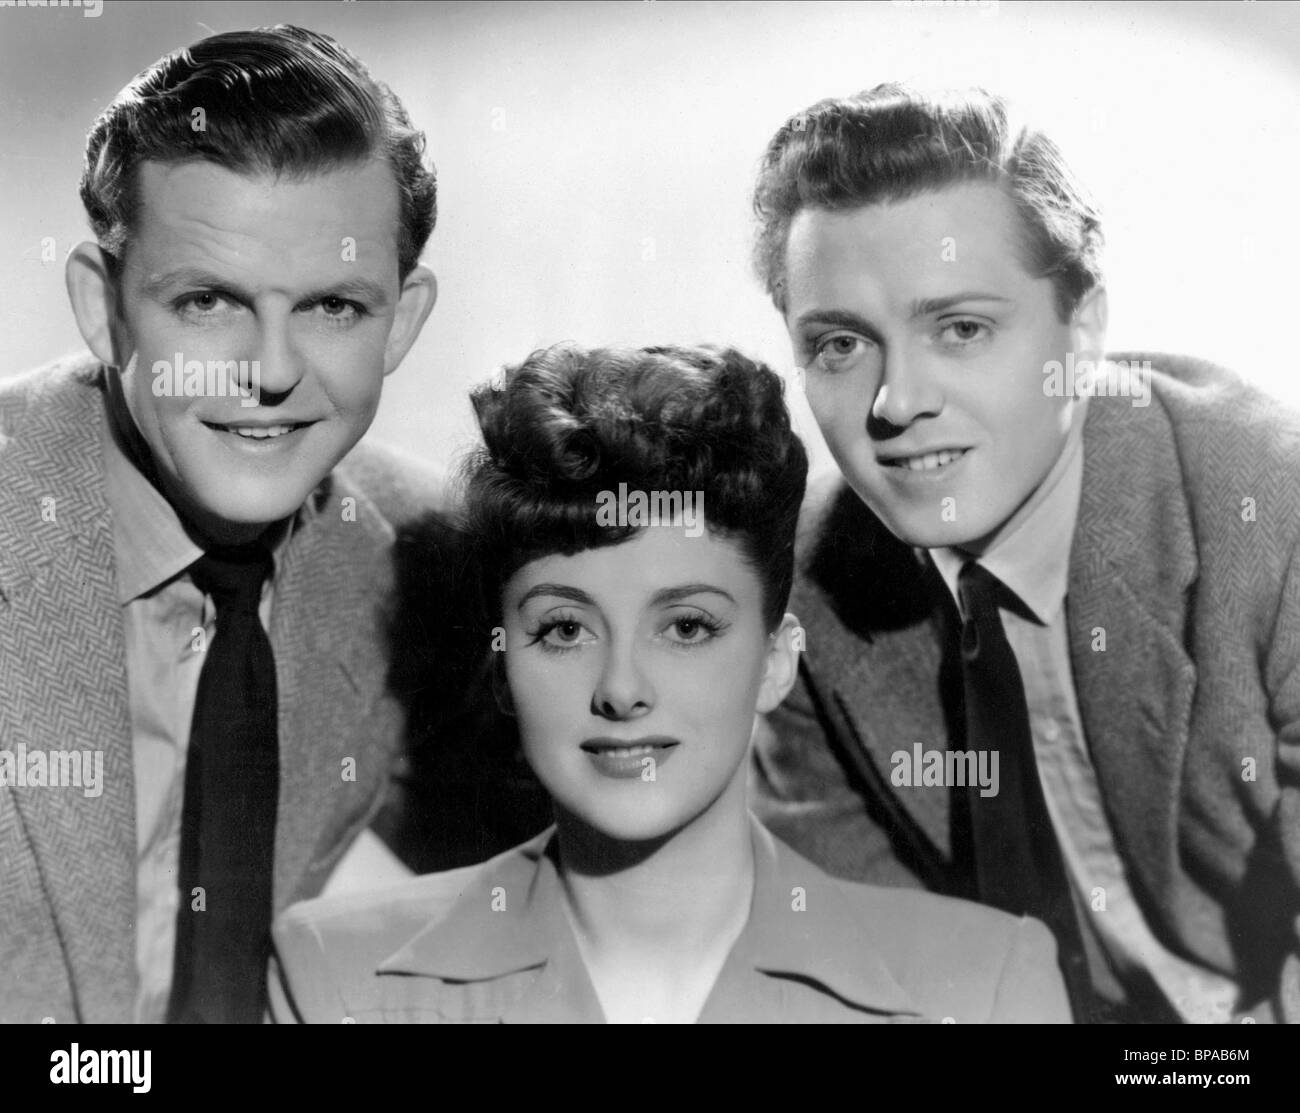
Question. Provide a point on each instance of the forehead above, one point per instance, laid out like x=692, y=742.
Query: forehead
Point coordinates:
x=967, y=235
x=655, y=558
x=197, y=210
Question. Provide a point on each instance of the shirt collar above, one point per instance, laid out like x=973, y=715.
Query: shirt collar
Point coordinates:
x=150, y=542
x=1031, y=555
x=475, y=942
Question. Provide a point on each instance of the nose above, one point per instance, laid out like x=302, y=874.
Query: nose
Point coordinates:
x=279, y=365
x=623, y=690
x=908, y=390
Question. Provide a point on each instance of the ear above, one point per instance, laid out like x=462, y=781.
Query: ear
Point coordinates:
x=414, y=304
x=93, y=292
x=782, y=665
x=1088, y=326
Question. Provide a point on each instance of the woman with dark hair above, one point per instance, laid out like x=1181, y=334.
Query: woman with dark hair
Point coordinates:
x=632, y=518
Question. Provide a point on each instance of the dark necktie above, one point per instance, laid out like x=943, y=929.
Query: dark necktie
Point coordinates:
x=1017, y=860
x=232, y=778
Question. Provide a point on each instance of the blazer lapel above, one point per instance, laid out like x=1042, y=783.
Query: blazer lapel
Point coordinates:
x=66, y=686
x=1132, y=565
x=874, y=609
x=328, y=630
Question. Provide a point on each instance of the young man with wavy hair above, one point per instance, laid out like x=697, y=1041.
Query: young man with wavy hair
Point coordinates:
x=1076, y=568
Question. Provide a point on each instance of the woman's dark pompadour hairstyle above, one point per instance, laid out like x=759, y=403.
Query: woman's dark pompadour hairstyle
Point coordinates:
x=278, y=100
x=893, y=142
x=569, y=423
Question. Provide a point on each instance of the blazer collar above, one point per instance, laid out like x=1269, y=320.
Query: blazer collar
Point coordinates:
x=476, y=941
x=878, y=616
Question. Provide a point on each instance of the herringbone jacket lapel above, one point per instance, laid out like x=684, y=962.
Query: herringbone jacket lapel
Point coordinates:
x=337, y=721
x=1132, y=566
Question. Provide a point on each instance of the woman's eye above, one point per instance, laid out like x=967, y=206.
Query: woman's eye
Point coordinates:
x=692, y=630
x=565, y=633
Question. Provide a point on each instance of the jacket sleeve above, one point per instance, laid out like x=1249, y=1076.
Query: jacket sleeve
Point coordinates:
x=1283, y=679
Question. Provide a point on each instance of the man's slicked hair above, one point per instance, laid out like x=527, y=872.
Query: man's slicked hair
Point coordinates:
x=277, y=100
x=893, y=142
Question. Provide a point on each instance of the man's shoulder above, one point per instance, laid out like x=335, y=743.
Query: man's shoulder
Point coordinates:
x=61, y=385
x=1209, y=406
x=403, y=486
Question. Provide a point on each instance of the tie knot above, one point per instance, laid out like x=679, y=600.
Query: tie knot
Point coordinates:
x=233, y=576
x=980, y=592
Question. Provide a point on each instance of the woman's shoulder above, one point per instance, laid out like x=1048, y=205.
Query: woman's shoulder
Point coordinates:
x=329, y=948
x=953, y=958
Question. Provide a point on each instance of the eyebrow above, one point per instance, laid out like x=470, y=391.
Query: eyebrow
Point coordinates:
x=839, y=318
x=563, y=591
x=360, y=288
x=921, y=307
x=665, y=595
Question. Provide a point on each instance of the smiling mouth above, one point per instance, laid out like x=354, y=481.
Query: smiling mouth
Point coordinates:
x=258, y=432
x=930, y=461
x=631, y=750
x=629, y=760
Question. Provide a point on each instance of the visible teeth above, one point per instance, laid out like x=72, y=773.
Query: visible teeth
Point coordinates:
x=932, y=460
x=631, y=751
x=260, y=432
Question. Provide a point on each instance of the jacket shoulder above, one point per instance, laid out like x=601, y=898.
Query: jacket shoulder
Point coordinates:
x=403, y=487
x=1213, y=409
x=44, y=389
x=960, y=959
x=329, y=948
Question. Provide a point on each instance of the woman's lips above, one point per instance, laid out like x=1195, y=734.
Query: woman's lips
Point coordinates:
x=627, y=759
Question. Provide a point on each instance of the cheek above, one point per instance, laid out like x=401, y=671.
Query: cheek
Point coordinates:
x=839, y=405
x=349, y=369
x=549, y=699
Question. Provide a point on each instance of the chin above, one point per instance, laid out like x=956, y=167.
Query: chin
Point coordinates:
x=246, y=509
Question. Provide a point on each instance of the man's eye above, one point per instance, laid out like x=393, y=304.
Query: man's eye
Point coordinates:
x=202, y=304
x=340, y=309
x=964, y=331
x=837, y=352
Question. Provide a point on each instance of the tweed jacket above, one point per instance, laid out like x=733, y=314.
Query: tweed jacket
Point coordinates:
x=1183, y=614
x=68, y=860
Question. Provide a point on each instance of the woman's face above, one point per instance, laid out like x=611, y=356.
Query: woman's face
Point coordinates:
x=635, y=671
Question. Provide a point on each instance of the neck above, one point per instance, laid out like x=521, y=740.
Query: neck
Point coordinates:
x=687, y=893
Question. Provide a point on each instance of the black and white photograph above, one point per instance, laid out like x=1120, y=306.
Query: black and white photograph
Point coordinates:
x=767, y=513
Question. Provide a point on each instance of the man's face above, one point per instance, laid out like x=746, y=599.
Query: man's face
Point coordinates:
x=924, y=342
x=300, y=276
